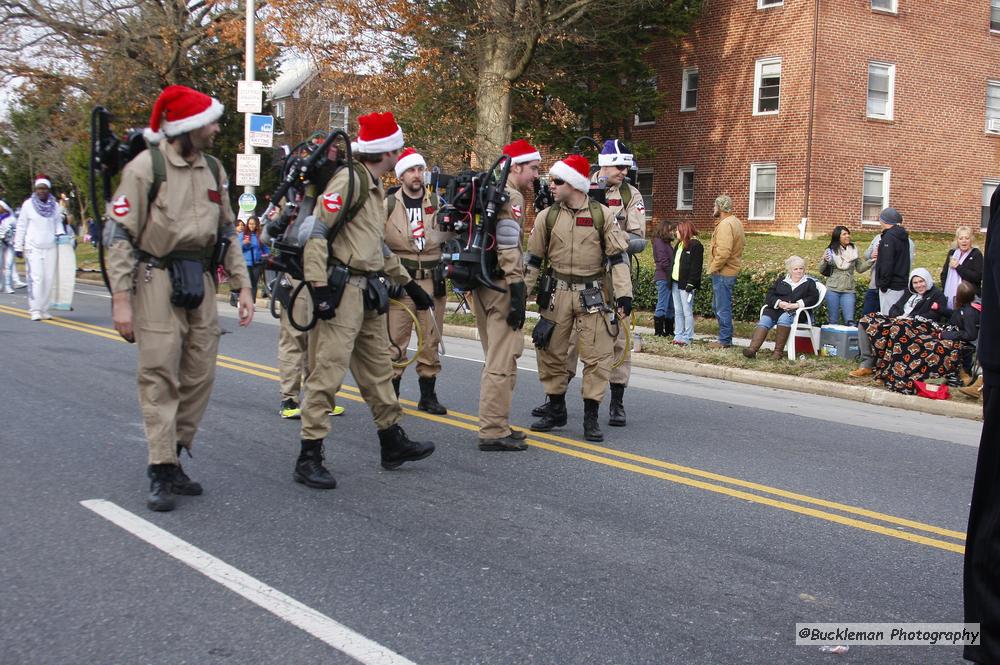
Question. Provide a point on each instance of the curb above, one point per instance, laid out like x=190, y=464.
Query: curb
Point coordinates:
x=874, y=396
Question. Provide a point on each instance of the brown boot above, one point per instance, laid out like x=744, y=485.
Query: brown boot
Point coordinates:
x=964, y=377
x=974, y=390
x=759, y=335
x=780, y=339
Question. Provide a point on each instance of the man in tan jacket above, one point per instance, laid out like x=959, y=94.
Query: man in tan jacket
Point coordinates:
x=581, y=243
x=166, y=216
x=412, y=234
x=728, y=241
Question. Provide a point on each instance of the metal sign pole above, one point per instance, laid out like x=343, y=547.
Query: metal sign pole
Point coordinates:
x=250, y=76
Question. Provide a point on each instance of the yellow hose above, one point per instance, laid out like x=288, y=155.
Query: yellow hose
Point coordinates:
x=416, y=328
x=628, y=343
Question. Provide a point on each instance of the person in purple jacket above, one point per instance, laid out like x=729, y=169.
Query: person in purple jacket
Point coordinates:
x=663, y=257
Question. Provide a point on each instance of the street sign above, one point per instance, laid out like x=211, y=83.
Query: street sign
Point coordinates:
x=261, y=130
x=249, y=96
x=248, y=202
x=247, y=170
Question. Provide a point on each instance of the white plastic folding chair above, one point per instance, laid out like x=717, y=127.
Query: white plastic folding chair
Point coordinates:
x=808, y=328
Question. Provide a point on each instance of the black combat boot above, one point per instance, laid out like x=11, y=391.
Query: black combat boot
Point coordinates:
x=395, y=385
x=183, y=484
x=428, y=398
x=542, y=409
x=668, y=327
x=591, y=430
x=658, y=327
x=617, y=410
x=309, y=469
x=398, y=448
x=161, y=495
x=554, y=417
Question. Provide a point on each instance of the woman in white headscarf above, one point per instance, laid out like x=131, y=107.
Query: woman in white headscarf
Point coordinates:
x=38, y=225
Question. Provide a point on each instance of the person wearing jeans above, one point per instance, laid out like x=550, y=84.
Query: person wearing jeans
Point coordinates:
x=663, y=257
x=686, y=277
x=840, y=260
x=728, y=241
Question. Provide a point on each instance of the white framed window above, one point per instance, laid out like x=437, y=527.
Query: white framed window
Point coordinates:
x=767, y=86
x=646, y=114
x=689, y=89
x=874, y=194
x=644, y=183
x=685, y=188
x=279, y=109
x=763, y=190
x=881, y=90
x=890, y=6
x=338, y=116
x=995, y=15
x=993, y=107
x=989, y=186
x=765, y=4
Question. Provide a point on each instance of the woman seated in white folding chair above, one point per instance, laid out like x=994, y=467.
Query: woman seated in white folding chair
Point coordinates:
x=785, y=298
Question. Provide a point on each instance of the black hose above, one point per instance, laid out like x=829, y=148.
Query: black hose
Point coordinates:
x=95, y=148
x=291, y=307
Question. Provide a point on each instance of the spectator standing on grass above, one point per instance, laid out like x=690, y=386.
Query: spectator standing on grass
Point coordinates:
x=728, y=242
x=871, y=303
x=893, y=259
x=964, y=262
x=689, y=257
x=663, y=258
x=840, y=260
x=981, y=583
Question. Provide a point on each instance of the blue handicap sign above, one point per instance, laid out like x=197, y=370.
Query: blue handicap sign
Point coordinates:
x=261, y=123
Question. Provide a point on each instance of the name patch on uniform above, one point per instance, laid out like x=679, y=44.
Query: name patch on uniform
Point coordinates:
x=332, y=202
x=614, y=202
x=429, y=210
x=120, y=206
x=214, y=196
x=584, y=221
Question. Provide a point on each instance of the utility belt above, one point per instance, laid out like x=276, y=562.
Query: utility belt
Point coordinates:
x=374, y=286
x=565, y=285
x=187, y=269
x=432, y=270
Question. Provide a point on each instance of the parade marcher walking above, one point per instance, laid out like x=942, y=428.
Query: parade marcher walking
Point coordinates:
x=8, y=267
x=170, y=222
x=581, y=243
x=38, y=224
x=350, y=301
x=412, y=234
x=500, y=315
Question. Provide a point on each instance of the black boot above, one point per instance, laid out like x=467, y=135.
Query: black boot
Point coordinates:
x=542, y=409
x=395, y=385
x=309, y=469
x=161, y=495
x=183, y=484
x=554, y=417
x=617, y=410
x=668, y=327
x=591, y=430
x=428, y=399
x=398, y=448
x=657, y=326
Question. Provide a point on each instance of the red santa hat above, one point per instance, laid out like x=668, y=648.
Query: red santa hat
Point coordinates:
x=408, y=160
x=180, y=109
x=378, y=132
x=575, y=170
x=42, y=180
x=520, y=152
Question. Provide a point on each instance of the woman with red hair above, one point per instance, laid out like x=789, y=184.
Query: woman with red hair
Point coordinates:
x=689, y=257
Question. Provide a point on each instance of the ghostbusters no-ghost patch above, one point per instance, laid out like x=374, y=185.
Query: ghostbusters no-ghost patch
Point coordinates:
x=640, y=206
x=517, y=211
x=332, y=202
x=120, y=206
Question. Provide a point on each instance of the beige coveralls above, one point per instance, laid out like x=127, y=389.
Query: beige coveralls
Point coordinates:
x=574, y=253
x=634, y=223
x=355, y=337
x=420, y=264
x=177, y=346
x=502, y=345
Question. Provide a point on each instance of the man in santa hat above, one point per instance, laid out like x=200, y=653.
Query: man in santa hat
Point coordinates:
x=351, y=331
x=38, y=224
x=581, y=243
x=165, y=221
x=500, y=314
x=412, y=233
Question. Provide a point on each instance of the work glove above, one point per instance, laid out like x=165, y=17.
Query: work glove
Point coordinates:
x=518, y=297
x=418, y=295
x=325, y=305
x=625, y=305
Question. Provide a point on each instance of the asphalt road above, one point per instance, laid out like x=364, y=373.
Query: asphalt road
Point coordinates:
x=702, y=533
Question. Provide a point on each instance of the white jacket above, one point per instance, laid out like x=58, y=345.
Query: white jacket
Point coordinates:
x=35, y=231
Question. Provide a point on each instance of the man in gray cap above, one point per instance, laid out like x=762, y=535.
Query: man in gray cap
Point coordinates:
x=728, y=241
x=893, y=259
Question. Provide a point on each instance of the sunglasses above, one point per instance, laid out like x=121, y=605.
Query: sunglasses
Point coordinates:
x=621, y=168
x=557, y=181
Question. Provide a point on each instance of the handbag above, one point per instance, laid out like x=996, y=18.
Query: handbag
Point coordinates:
x=826, y=269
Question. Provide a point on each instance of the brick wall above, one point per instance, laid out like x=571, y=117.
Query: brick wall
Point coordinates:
x=935, y=143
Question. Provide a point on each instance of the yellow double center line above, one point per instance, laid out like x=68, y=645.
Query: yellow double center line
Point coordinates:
x=830, y=511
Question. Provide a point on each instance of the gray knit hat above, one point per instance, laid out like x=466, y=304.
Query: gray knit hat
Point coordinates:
x=724, y=203
x=890, y=216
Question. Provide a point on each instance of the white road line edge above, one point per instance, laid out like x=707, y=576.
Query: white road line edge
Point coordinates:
x=335, y=634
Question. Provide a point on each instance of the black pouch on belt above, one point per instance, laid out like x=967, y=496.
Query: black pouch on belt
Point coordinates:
x=376, y=294
x=440, y=289
x=187, y=282
x=591, y=298
x=546, y=286
x=542, y=334
x=282, y=293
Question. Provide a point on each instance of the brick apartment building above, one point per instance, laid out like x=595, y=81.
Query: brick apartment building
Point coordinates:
x=302, y=103
x=828, y=110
